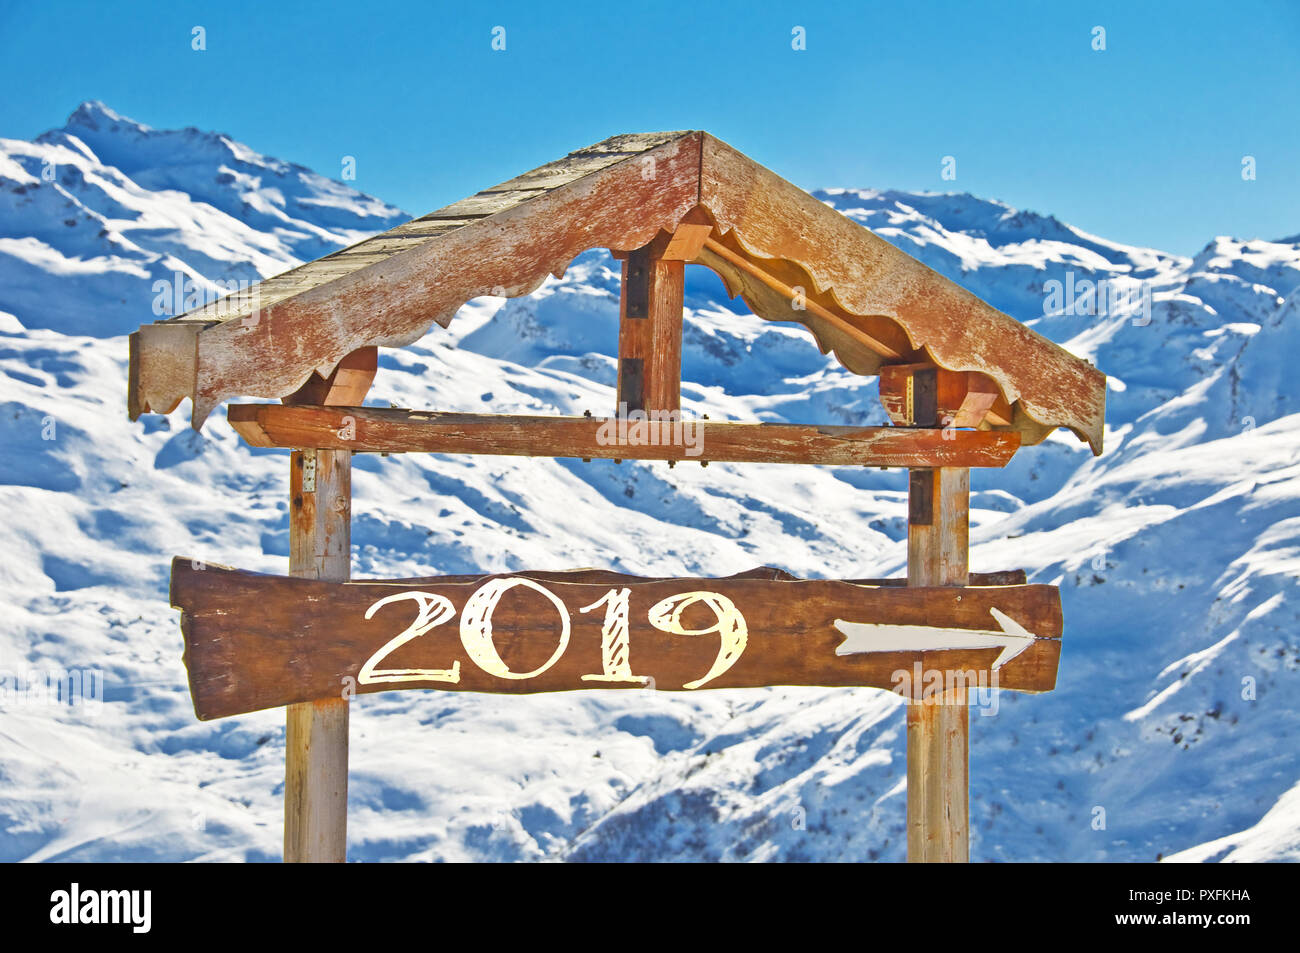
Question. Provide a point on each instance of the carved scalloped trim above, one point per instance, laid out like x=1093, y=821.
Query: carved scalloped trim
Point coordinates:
x=1033, y=426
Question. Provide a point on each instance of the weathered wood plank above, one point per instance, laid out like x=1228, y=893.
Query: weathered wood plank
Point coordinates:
x=562, y=172
x=630, y=143
x=374, y=429
x=256, y=641
x=428, y=227
x=485, y=203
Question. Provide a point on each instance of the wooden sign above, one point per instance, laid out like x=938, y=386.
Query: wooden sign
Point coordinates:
x=255, y=641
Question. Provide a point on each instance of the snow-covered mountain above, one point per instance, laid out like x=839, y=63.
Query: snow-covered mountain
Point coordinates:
x=1173, y=728
x=109, y=205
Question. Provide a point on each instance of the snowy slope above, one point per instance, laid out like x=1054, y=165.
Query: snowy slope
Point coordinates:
x=1176, y=551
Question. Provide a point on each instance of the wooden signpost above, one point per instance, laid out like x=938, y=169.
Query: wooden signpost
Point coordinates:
x=964, y=386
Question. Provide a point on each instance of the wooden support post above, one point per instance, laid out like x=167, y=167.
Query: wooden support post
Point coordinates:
x=316, y=733
x=650, y=330
x=938, y=744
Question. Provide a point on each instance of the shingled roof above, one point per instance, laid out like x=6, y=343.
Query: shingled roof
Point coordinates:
x=863, y=299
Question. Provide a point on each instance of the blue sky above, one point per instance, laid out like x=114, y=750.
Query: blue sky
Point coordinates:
x=1142, y=142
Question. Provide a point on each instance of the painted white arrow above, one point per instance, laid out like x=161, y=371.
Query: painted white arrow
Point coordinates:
x=883, y=637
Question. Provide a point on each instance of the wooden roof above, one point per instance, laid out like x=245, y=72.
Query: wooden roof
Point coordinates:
x=866, y=301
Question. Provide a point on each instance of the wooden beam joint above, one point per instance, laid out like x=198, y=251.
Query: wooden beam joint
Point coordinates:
x=347, y=384
x=923, y=395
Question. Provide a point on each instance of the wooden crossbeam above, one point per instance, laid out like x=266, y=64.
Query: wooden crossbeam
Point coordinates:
x=374, y=429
